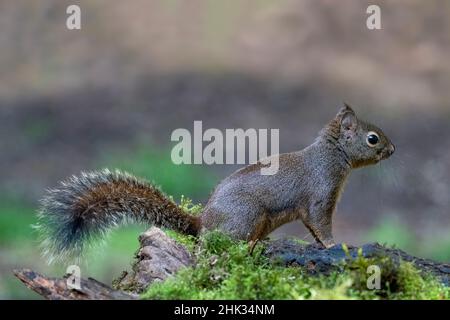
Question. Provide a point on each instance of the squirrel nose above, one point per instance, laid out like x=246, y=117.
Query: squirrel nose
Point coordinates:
x=391, y=149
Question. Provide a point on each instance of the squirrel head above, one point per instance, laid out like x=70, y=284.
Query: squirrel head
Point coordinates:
x=362, y=143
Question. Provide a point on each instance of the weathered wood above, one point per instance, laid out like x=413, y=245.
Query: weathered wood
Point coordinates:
x=57, y=289
x=159, y=257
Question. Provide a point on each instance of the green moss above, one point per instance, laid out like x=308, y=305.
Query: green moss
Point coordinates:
x=226, y=270
x=195, y=209
x=187, y=205
x=414, y=285
x=399, y=280
x=188, y=241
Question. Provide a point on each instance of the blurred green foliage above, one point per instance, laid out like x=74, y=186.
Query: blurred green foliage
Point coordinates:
x=14, y=216
x=392, y=232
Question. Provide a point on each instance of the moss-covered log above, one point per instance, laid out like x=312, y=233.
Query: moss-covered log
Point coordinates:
x=318, y=260
x=160, y=256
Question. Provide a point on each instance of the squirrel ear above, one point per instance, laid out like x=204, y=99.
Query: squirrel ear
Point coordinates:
x=346, y=108
x=348, y=118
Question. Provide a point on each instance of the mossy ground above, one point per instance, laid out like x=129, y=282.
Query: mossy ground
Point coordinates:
x=226, y=270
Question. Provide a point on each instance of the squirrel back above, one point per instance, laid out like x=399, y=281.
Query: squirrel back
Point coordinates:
x=246, y=204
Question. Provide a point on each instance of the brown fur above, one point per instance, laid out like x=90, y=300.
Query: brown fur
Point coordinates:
x=121, y=195
x=246, y=205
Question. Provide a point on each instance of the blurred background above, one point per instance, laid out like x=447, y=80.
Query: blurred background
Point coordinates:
x=110, y=94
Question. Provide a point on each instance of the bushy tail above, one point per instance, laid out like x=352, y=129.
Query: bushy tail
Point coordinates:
x=85, y=207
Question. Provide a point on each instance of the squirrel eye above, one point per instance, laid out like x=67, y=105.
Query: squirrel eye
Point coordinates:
x=372, y=139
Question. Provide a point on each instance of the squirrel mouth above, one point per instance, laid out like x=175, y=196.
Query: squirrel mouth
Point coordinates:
x=385, y=155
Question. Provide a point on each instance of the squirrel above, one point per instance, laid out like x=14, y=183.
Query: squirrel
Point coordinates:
x=245, y=205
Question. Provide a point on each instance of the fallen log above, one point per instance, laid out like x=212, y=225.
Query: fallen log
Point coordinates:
x=57, y=288
x=318, y=260
x=160, y=256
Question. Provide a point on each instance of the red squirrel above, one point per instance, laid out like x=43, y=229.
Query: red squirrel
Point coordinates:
x=246, y=205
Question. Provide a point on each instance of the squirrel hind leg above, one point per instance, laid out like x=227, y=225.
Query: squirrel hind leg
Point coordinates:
x=261, y=229
x=251, y=246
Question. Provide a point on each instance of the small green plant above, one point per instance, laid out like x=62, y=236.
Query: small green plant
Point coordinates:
x=195, y=209
x=187, y=205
